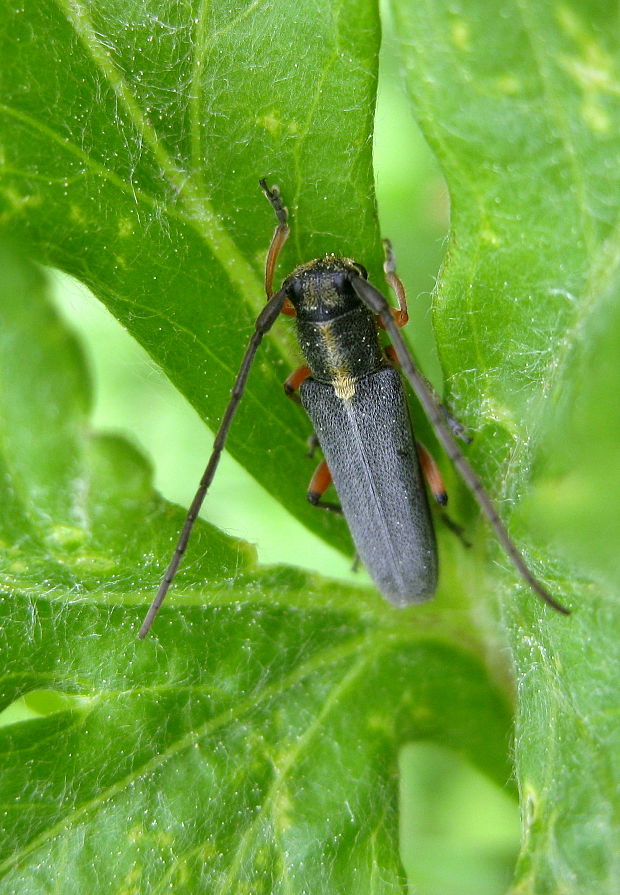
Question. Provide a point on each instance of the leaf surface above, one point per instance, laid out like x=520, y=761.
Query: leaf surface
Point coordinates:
x=227, y=752
x=521, y=108
x=134, y=138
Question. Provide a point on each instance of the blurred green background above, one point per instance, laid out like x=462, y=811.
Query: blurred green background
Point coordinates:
x=459, y=833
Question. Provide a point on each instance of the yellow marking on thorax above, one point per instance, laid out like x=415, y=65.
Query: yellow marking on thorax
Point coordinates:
x=329, y=342
x=343, y=382
x=344, y=385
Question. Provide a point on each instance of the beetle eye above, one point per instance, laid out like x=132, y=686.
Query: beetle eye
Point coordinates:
x=294, y=289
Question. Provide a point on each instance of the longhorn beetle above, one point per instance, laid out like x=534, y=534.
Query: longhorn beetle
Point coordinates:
x=355, y=400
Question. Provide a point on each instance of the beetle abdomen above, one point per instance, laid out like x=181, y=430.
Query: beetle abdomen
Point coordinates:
x=369, y=447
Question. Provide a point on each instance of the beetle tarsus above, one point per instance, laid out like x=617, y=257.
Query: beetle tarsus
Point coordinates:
x=457, y=428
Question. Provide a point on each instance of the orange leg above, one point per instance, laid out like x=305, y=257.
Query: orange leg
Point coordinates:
x=319, y=483
x=290, y=387
x=295, y=380
x=431, y=473
x=390, y=353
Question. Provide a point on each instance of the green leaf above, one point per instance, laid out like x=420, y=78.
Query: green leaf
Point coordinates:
x=521, y=107
x=134, y=166
x=228, y=752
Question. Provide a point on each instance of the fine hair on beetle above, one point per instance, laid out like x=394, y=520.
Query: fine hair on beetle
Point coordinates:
x=354, y=398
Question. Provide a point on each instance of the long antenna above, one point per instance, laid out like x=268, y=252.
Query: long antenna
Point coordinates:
x=265, y=321
x=378, y=304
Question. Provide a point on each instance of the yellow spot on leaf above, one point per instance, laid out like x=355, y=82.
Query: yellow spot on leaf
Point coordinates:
x=490, y=236
x=76, y=215
x=125, y=227
x=596, y=117
x=19, y=201
x=135, y=833
x=67, y=537
x=92, y=562
x=509, y=84
x=591, y=68
x=461, y=35
x=283, y=811
x=130, y=885
x=271, y=122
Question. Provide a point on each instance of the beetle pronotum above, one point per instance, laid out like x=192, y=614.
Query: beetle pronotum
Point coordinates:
x=355, y=400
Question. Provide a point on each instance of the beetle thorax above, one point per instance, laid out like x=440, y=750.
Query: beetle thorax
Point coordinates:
x=337, y=333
